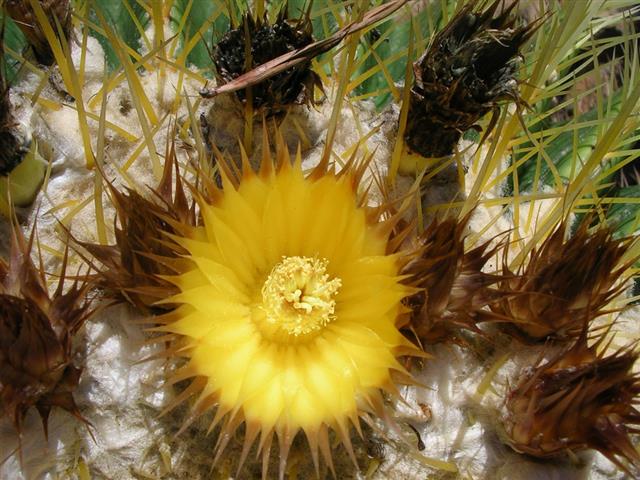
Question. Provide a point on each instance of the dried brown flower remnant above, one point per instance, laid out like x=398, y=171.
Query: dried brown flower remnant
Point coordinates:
x=264, y=42
x=294, y=58
x=132, y=268
x=36, y=332
x=454, y=289
x=467, y=70
x=58, y=12
x=580, y=399
x=563, y=283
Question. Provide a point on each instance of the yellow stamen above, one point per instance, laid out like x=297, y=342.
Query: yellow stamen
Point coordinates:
x=298, y=297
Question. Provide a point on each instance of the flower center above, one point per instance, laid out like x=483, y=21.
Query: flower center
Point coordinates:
x=298, y=297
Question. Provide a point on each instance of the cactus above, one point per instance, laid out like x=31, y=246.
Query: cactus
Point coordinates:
x=425, y=194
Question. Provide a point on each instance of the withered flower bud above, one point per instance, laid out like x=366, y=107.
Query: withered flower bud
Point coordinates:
x=454, y=289
x=36, y=333
x=563, y=283
x=580, y=399
x=131, y=270
x=469, y=68
x=264, y=42
x=58, y=12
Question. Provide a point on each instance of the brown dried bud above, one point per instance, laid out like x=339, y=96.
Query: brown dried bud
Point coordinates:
x=454, y=290
x=132, y=269
x=580, y=399
x=469, y=67
x=563, y=284
x=58, y=12
x=36, y=334
x=264, y=42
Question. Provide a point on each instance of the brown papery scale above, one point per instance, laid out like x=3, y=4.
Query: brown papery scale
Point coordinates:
x=58, y=12
x=562, y=283
x=37, y=367
x=264, y=41
x=132, y=269
x=581, y=399
x=468, y=70
x=454, y=290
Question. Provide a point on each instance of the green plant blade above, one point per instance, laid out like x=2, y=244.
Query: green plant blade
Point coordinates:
x=624, y=218
x=568, y=150
x=126, y=17
x=205, y=22
x=15, y=40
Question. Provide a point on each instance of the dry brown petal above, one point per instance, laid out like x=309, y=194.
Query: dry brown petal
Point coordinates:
x=132, y=269
x=578, y=400
x=36, y=335
x=299, y=56
x=267, y=41
x=454, y=289
x=563, y=284
x=58, y=12
x=467, y=71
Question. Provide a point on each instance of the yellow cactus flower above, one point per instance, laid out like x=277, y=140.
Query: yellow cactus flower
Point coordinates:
x=290, y=315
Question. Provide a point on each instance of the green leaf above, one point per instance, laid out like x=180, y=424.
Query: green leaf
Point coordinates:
x=386, y=40
x=395, y=39
x=624, y=218
x=13, y=36
x=16, y=41
x=203, y=19
x=568, y=150
x=322, y=18
x=122, y=16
